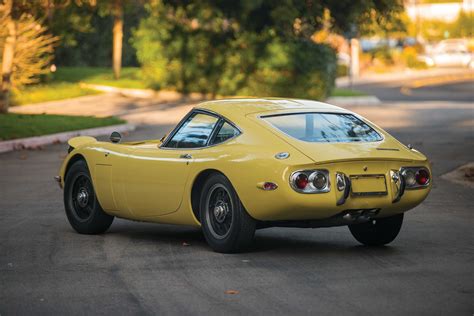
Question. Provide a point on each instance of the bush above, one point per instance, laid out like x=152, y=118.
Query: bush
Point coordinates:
x=410, y=58
x=296, y=68
x=197, y=48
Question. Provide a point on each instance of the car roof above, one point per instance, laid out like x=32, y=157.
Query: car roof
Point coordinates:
x=235, y=108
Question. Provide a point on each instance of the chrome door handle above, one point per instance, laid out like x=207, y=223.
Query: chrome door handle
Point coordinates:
x=186, y=156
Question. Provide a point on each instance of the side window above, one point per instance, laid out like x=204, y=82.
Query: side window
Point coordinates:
x=226, y=132
x=194, y=132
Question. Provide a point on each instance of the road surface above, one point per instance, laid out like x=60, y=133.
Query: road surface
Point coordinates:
x=149, y=269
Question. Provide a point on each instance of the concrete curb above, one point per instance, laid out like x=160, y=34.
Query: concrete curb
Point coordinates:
x=38, y=141
x=354, y=101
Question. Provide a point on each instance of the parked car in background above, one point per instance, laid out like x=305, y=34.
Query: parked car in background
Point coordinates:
x=449, y=53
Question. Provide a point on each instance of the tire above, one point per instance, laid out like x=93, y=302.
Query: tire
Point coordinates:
x=225, y=223
x=80, y=202
x=377, y=232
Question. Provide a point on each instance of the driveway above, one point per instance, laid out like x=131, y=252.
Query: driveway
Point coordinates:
x=139, y=268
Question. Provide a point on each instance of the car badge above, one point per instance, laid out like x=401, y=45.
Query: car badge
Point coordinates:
x=282, y=155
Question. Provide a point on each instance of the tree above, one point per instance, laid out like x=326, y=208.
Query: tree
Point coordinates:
x=7, y=54
x=117, y=37
x=25, y=45
x=229, y=47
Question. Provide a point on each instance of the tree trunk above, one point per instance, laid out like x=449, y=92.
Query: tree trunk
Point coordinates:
x=117, y=38
x=7, y=65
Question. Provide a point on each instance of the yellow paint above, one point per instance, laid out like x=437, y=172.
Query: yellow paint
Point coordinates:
x=142, y=181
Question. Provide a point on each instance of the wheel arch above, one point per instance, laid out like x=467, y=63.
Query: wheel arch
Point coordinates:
x=75, y=158
x=196, y=189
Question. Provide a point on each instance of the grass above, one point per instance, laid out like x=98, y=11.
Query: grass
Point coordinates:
x=14, y=126
x=342, y=92
x=50, y=92
x=130, y=77
x=65, y=84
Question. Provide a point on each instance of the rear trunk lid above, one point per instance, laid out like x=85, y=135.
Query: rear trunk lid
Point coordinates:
x=388, y=148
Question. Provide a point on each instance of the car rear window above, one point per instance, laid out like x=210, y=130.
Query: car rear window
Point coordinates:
x=324, y=127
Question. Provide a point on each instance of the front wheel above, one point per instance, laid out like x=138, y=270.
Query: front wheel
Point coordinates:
x=377, y=232
x=82, y=207
x=226, y=225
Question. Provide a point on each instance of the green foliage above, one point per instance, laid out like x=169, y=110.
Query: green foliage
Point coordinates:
x=66, y=82
x=86, y=33
x=247, y=47
x=294, y=69
x=49, y=92
x=25, y=125
x=33, y=49
x=130, y=77
x=343, y=92
x=464, y=25
x=410, y=57
x=435, y=30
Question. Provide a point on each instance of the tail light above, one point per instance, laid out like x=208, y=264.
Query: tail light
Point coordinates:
x=416, y=177
x=310, y=181
x=422, y=177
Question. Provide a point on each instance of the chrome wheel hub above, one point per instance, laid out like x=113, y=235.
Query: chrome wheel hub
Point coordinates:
x=220, y=211
x=82, y=197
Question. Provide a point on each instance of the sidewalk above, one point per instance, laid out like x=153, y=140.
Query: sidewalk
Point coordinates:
x=162, y=109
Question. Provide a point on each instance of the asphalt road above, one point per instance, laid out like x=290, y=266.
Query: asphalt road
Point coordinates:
x=139, y=268
x=400, y=90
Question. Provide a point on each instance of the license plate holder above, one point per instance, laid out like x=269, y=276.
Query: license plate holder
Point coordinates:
x=367, y=185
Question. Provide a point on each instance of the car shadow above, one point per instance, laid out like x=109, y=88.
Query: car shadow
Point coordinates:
x=277, y=241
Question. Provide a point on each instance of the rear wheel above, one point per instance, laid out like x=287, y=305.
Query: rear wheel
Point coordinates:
x=377, y=232
x=82, y=207
x=225, y=223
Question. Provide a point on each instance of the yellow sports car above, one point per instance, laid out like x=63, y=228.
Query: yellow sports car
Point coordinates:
x=234, y=166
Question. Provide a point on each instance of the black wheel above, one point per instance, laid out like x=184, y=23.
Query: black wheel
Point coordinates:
x=377, y=232
x=225, y=223
x=82, y=207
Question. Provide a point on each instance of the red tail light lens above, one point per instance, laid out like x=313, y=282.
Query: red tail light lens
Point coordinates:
x=422, y=177
x=415, y=177
x=301, y=181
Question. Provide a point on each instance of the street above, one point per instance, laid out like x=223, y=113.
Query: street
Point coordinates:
x=140, y=268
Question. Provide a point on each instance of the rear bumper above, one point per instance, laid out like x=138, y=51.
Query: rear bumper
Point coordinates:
x=285, y=204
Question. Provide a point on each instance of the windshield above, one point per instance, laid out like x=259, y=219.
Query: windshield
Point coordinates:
x=324, y=127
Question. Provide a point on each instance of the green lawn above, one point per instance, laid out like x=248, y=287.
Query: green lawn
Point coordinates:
x=342, y=92
x=65, y=84
x=130, y=77
x=50, y=92
x=26, y=125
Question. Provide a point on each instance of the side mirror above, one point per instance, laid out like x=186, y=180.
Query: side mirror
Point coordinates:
x=115, y=137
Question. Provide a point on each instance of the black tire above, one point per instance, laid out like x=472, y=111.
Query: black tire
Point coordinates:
x=377, y=232
x=82, y=207
x=225, y=223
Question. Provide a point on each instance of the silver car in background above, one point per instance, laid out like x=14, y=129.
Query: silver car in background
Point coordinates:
x=449, y=53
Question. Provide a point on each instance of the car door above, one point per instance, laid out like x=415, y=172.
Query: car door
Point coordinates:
x=158, y=174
